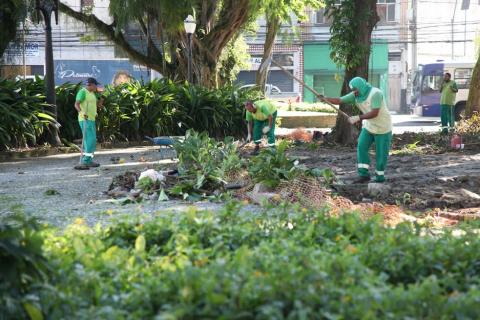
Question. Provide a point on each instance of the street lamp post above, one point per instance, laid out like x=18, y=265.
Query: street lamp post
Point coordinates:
x=190, y=26
x=46, y=8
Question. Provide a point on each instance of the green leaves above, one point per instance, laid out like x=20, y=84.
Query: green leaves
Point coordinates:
x=131, y=111
x=272, y=166
x=24, y=115
x=204, y=163
x=278, y=263
x=348, y=48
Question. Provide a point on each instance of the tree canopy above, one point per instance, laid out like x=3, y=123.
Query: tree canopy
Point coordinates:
x=160, y=24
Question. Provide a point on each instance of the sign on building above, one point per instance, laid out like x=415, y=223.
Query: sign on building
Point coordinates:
x=105, y=71
x=16, y=49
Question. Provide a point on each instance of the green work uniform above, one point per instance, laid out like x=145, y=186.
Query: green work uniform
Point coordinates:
x=447, y=101
x=265, y=108
x=88, y=106
x=377, y=130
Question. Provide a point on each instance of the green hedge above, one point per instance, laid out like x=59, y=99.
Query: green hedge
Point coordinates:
x=276, y=264
x=133, y=110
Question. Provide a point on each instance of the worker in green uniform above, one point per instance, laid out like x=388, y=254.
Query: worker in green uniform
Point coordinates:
x=86, y=103
x=449, y=90
x=377, y=127
x=261, y=116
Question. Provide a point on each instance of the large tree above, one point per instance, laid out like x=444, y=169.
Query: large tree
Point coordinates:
x=161, y=25
x=350, y=42
x=11, y=12
x=473, y=102
x=278, y=12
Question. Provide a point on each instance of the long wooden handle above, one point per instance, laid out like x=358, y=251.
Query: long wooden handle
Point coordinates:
x=322, y=99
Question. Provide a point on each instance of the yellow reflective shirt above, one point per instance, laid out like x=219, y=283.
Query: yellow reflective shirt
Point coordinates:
x=264, y=108
x=88, y=104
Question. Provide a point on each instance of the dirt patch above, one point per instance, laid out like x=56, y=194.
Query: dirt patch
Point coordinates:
x=446, y=182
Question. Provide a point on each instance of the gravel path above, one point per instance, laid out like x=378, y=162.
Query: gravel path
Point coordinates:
x=81, y=193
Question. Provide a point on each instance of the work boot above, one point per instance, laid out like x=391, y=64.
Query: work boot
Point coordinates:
x=361, y=179
x=92, y=164
x=256, y=151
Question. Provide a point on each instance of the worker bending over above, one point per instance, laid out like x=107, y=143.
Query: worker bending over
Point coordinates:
x=261, y=116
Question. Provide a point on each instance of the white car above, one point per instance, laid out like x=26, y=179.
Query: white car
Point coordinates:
x=274, y=93
x=270, y=89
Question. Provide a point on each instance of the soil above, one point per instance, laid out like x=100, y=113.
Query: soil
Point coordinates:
x=430, y=179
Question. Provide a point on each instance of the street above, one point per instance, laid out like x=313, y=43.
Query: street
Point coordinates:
x=412, y=123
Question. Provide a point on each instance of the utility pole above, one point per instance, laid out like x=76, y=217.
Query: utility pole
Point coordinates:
x=465, y=35
x=413, y=29
x=453, y=20
x=23, y=40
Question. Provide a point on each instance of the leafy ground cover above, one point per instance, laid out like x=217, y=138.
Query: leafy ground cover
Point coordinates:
x=282, y=263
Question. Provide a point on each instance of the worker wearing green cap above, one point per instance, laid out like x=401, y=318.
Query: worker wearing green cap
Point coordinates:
x=377, y=127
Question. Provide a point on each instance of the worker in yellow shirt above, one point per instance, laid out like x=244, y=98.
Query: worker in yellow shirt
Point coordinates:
x=86, y=103
x=261, y=116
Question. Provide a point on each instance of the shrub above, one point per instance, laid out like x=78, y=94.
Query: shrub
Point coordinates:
x=204, y=163
x=131, y=111
x=24, y=115
x=278, y=263
x=23, y=267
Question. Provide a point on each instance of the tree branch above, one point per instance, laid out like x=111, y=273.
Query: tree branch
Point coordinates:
x=114, y=35
x=234, y=15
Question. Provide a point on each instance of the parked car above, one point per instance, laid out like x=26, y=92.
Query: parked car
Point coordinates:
x=274, y=93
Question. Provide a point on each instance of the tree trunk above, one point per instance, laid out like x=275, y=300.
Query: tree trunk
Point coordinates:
x=49, y=77
x=343, y=130
x=273, y=25
x=9, y=13
x=473, y=102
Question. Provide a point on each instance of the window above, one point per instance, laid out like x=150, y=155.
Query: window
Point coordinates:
x=431, y=83
x=276, y=77
x=386, y=10
x=86, y=3
x=462, y=77
x=394, y=56
x=320, y=16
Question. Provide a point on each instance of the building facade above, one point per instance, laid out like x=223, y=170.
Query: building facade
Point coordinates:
x=302, y=48
x=388, y=57
x=78, y=52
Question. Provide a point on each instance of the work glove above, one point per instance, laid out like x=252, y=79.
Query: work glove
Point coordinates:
x=354, y=119
x=266, y=130
x=249, y=137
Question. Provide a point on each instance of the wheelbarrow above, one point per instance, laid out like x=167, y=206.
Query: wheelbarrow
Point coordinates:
x=165, y=144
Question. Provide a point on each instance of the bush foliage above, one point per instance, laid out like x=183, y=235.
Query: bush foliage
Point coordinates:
x=131, y=111
x=277, y=264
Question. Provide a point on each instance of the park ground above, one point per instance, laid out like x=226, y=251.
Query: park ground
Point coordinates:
x=426, y=179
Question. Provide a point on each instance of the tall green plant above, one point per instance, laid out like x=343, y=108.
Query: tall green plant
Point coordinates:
x=24, y=114
x=204, y=163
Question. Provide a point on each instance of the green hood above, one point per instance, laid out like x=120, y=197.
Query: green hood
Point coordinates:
x=362, y=86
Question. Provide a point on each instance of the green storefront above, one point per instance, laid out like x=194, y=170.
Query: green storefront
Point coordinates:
x=322, y=74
